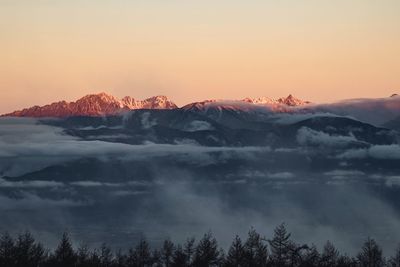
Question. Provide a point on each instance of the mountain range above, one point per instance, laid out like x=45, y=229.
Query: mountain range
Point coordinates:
x=94, y=105
x=377, y=111
x=106, y=104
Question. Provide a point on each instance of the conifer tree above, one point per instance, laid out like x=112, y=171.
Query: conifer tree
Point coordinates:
x=106, y=256
x=82, y=256
x=120, y=259
x=141, y=255
x=7, y=250
x=370, y=254
x=167, y=252
x=280, y=246
x=311, y=257
x=207, y=253
x=395, y=259
x=189, y=250
x=179, y=259
x=94, y=259
x=346, y=261
x=156, y=259
x=64, y=255
x=330, y=255
x=236, y=254
x=256, y=253
x=28, y=253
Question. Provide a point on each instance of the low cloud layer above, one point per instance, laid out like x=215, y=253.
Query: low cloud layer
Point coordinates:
x=26, y=146
x=389, y=152
x=307, y=136
x=199, y=126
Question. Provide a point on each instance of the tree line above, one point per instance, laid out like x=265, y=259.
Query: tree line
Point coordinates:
x=255, y=251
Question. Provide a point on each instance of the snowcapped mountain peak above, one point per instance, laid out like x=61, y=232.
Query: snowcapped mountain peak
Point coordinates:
x=106, y=104
x=290, y=100
x=158, y=102
x=94, y=105
x=101, y=98
x=260, y=100
x=279, y=105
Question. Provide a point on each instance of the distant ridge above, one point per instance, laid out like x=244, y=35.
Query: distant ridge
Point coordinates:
x=376, y=111
x=105, y=104
x=94, y=105
x=281, y=104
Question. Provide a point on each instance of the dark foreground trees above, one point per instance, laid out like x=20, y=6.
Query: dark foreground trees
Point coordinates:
x=254, y=251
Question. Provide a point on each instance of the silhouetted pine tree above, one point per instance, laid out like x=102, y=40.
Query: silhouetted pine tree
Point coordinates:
x=222, y=257
x=311, y=257
x=280, y=246
x=370, y=254
x=346, y=261
x=236, y=254
x=82, y=256
x=167, y=252
x=106, y=256
x=395, y=260
x=120, y=259
x=94, y=260
x=329, y=256
x=131, y=258
x=189, y=250
x=64, y=255
x=207, y=253
x=179, y=258
x=256, y=253
x=140, y=256
x=295, y=253
x=27, y=252
x=7, y=250
x=156, y=259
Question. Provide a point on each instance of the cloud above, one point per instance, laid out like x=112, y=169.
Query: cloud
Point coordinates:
x=124, y=193
x=29, y=184
x=290, y=118
x=344, y=174
x=392, y=181
x=147, y=123
x=108, y=136
x=281, y=175
x=197, y=125
x=94, y=184
x=29, y=201
x=389, y=152
x=307, y=136
x=376, y=111
x=90, y=128
x=89, y=183
x=26, y=146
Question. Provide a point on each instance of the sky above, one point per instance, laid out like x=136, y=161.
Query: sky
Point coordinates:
x=318, y=50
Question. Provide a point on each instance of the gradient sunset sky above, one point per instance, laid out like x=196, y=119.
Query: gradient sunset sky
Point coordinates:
x=319, y=50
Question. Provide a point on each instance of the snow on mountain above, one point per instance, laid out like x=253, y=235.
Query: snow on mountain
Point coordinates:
x=377, y=111
x=260, y=100
x=283, y=104
x=94, y=105
x=288, y=101
x=292, y=101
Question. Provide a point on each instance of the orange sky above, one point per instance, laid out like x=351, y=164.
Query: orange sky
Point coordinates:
x=318, y=50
